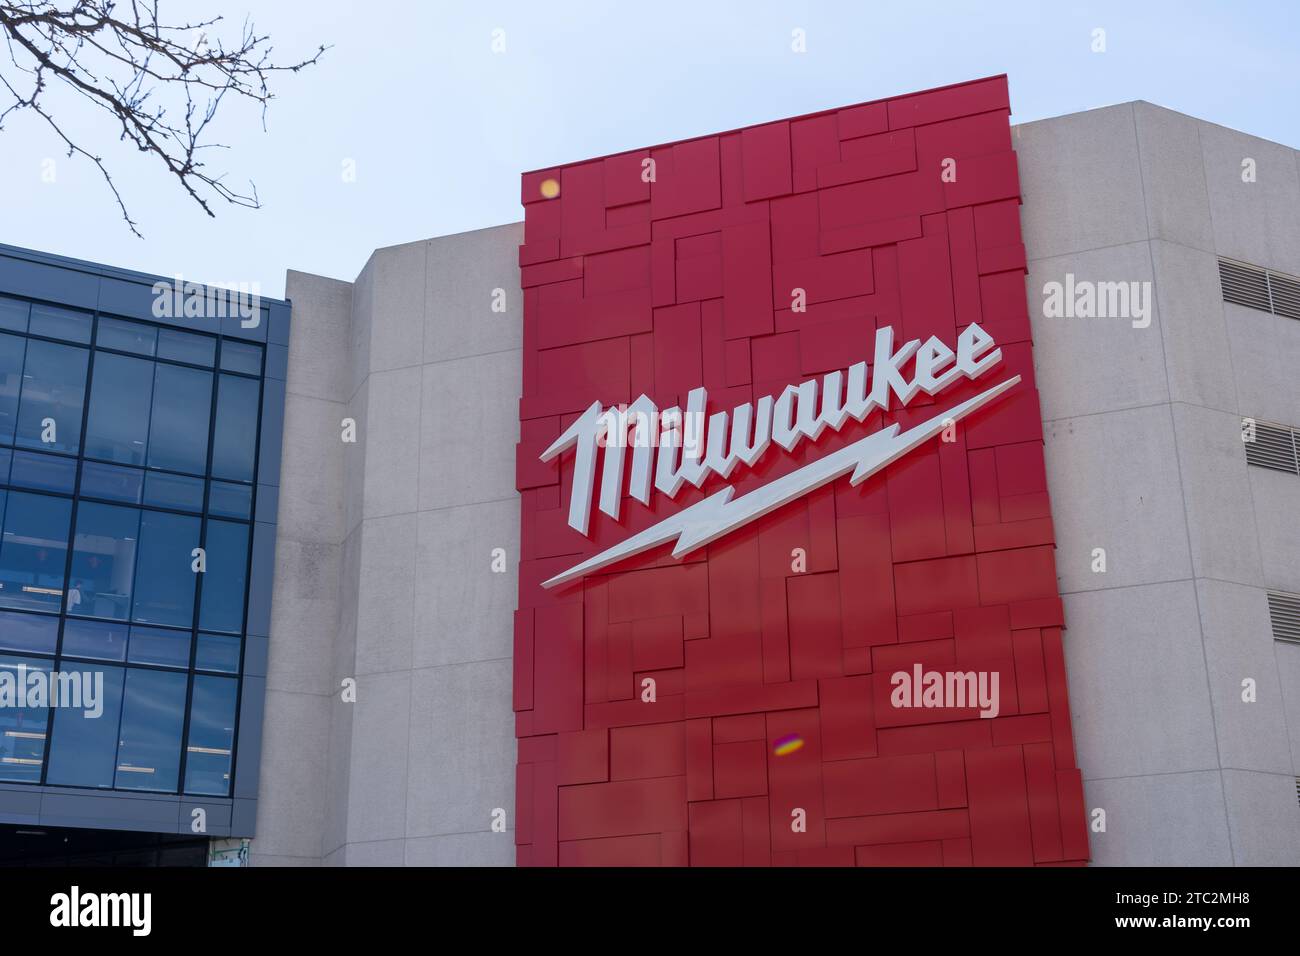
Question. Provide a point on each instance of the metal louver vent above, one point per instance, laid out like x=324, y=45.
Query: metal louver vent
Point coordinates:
x=1274, y=447
x=1244, y=285
x=1297, y=789
x=1284, y=613
x=1258, y=288
x=1285, y=293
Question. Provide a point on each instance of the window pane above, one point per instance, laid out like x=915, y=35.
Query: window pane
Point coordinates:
x=173, y=491
x=22, y=729
x=103, y=561
x=112, y=482
x=6, y=456
x=222, y=607
x=241, y=357
x=217, y=652
x=83, y=749
x=230, y=501
x=212, y=735
x=186, y=347
x=33, y=633
x=235, y=442
x=178, y=440
x=164, y=590
x=153, y=715
x=154, y=645
x=13, y=314
x=106, y=642
x=32, y=551
x=54, y=384
x=59, y=323
x=126, y=336
x=48, y=472
x=12, y=350
x=118, y=429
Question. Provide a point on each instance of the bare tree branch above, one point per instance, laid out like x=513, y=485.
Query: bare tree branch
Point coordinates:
x=162, y=84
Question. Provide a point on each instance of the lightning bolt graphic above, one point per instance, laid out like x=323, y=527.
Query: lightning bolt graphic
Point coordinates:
x=718, y=514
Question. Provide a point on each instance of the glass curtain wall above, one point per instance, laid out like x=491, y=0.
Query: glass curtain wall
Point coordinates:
x=128, y=462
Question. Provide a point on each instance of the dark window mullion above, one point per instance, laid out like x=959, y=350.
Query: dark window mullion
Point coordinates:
x=198, y=585
x=248, y=576
x=72, y=521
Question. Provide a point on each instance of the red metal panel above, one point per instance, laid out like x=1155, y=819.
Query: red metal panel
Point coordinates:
x=657, y=643
x=557, y=666
x=898, y=828
x=880, y=785
x=869, y=157
x=814, y=142
x=740, y=769
x=956, y=853
x=753, y=704
x=1031, y=679
x=1044, y=807
x=999, y=807
x=855, y=121
x=926, y=853
x=652, y=750
x=622, y=807
x=641, y=850
x=814, y=614
x=582, y=756
x=795, y=781
x=848, y=720
x=687, y=179
x=717, y=833
x=950, y=778
x=699, y=760
x=766, y=153
x=624, y=183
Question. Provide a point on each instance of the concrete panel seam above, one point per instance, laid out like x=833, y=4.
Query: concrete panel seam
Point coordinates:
x=416, y=630
x=1182, y=487
x=473, y=355
x=1114, y=245
x=1159, y=773
x=1200, y=627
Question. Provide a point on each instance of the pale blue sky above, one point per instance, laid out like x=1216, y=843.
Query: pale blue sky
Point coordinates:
x=440, y=127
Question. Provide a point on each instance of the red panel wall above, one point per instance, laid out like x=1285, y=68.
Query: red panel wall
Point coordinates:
x=945, y=559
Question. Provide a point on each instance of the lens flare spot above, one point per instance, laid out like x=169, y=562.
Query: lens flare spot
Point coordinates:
x=787, y=745
x=550, y=188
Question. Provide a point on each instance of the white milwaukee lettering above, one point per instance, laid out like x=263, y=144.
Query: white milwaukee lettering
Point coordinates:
x=707, y=520
x=685, y=451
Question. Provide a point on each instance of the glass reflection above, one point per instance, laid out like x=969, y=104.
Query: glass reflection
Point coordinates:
x=212, y=735
x=22, y=729
x=83, y=749
x=103, y=561
x=153, y=715
x=33, y=548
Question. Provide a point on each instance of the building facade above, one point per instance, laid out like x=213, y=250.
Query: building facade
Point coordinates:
x=1142, y=440
x=139, y=450
x=425, y=702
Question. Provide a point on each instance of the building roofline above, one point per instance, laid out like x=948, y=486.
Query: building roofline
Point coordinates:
x=1158, y=106
x=99, y=269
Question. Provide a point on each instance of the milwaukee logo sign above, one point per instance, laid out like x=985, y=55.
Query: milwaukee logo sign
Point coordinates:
x=686, y=450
